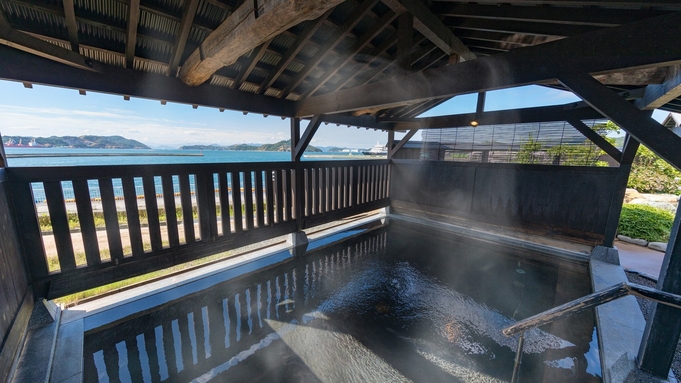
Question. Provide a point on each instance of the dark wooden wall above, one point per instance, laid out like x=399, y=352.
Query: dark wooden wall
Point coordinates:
x=13, y=286
x=563, y=201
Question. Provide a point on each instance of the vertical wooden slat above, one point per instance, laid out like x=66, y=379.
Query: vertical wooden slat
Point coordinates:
x=248, y=199
x=205, y=199
x=113, y=231
x=309, y=192
x=281, y=200
x=187, y=214
x=328, y=181
x=269, y=185
x=87, y=222
x=314, y=175
x=321, y=182
x=374, y=183
x=132, y=212
x=171, y=210
x=152, y=212
x=289, y=194
x=216, y=323
x=354, y=186
x=259, y=205
x=236, y=197
x=134, y=364
x=28, y=228
x=224, y=204
x=60, y=225
x=333, y=185
x=169, y=347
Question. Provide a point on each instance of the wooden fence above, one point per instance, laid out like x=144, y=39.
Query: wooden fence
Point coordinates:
x=235, y=205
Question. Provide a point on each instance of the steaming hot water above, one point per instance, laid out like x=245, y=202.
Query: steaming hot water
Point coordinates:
x=389, y=305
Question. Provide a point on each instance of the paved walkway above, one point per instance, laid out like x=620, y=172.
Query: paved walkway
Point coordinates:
x=640, y=259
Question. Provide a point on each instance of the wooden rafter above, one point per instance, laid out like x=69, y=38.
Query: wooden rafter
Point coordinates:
x=246, y=29
x=599, y=17
x=511, y=26
x=131, y=32
x=346, y=57
x=432, y=27
x=384, y=66
x=334, y=40
x=250, y=65
x=306, y=138
x=398, y=145
x=181, y=38
x=634, y=121
x=657, y=95
x=71, y=24
x=292, y=51
x=645, y=43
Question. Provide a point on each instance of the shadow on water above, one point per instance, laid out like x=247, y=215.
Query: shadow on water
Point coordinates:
x=383, y=306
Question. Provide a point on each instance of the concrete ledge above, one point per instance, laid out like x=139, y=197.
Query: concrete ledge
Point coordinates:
x=620, y=329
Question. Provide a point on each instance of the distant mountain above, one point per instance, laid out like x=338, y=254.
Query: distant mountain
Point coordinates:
x=281, y=146
x=84, y=142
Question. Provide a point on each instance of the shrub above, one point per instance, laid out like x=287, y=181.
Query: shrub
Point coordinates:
x=645, y=222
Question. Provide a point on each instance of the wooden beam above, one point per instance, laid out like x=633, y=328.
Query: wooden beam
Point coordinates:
x=186, y=22
x=292, y=51
x=131, y=32
x=295, y=136
x=27, y=43
x=650, y=42
x=525, y=28
x=634, y=121
x=596, y=139
x=432, y=27
x=600, y=17
x=405, y=26
x=19, y=66
x=657, y=95
x=400, y=144
x=333, y=41
x=245, y=29
x=71, y=25
x=307, y=137
x=572, y=111
x=251, y=63
x=346, y=57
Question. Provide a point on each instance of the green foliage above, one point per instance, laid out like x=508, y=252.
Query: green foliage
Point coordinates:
x=529, y=152
x=652, y=174
x=646, y=222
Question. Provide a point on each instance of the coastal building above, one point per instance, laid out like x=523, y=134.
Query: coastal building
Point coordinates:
x=376, y=64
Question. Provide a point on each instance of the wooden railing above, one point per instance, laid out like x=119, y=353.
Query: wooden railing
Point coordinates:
x=131, y=220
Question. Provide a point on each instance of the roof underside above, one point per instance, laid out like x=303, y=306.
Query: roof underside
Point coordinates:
x=352, y=44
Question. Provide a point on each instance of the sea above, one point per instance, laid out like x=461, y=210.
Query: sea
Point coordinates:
x=30, y=157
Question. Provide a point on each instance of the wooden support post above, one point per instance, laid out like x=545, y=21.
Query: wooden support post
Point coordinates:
x=663, y=326
x=295, y=136
x=391, y=143
x=399, y=145
x=3, y=156
x=628, y=153
x=306, y=137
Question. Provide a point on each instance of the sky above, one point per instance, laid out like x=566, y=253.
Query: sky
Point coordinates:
x=50, y=111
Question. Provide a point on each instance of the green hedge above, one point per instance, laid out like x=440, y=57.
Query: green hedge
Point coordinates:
x=645, y=222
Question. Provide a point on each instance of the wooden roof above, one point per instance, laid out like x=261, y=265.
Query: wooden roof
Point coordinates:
x=139, y=48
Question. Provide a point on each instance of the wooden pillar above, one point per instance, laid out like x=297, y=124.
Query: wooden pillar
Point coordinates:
x=297, y=186
x=295, y=136
x=663, y=326
x=628, y=154
x=3, y=156
x=391, y=143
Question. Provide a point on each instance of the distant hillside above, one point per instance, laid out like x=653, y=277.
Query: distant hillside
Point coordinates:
x=85, y=142
x=281, y=146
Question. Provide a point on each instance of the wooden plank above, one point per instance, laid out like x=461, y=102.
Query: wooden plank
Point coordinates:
x=245, y=29
x=656, y=96
x=307, y=137
x=87, y=222
x=236, y=197
x=645, y=43
x=269, y=186
x=279, y=195
x=225, y=215
x=209, y=195
x=309, y=193
x=248, y=199
x=71, y=25
x=131, y=32
x=132, y=212
x=186, y=22
x=288, y=187
x=171, y=210
x=345, y=213
x=115, y=80
x=113, y=232
x=251, y=63
x=259, y=205
x=28, y=228
x=202, y=203
x=60, y=225
x=375, y=55
x=187, y=213
x=14, y=338
x=152, y=212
